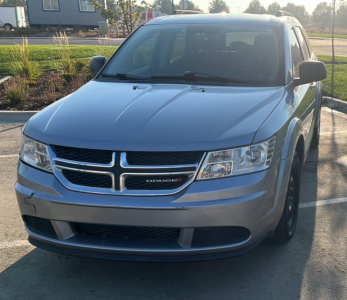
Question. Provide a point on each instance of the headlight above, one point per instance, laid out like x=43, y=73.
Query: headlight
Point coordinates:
x=225, y=163
x=35, y=154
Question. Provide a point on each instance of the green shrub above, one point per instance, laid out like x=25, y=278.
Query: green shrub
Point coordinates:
x=22, y=65
x=16, y=90
x=31, y=82
x=66, y=64
x=67, y=77
x=80, y=65
x=58, y=82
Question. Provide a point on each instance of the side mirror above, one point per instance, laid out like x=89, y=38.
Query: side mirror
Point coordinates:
x=96, y=63
x=311, y=71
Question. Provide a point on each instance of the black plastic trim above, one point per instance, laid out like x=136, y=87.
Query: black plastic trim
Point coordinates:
x=145, y=258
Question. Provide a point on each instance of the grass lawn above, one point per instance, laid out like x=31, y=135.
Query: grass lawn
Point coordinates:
x=329, y=58
x=327, y=35
x=340, y=78
x=48, y=56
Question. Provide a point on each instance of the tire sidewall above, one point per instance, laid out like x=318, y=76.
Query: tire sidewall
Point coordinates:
x=318, y=126
x=295, y=172
x=283, y=233
x=8, y=27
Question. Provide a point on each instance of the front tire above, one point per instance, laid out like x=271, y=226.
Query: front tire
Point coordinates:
x=8, y=27
x=316, y=134
x=286, y=227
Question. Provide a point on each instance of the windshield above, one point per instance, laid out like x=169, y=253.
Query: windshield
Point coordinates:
x=203, y=52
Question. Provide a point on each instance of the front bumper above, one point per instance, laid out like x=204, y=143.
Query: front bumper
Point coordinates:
x=254, y=202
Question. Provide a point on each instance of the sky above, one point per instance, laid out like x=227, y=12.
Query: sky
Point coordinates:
x=240, y=5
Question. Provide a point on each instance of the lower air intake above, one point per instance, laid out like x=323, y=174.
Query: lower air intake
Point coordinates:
x=128, y=232
x=218, y=236
x=40, y=226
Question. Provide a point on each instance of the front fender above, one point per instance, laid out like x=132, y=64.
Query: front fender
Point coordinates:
x=291, y=139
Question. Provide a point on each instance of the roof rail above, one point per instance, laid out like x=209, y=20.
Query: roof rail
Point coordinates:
x=282, y=13
x=186, y=12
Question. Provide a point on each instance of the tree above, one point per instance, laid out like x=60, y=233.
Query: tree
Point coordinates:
x=127, y=11
x=341, y=16
x=192, y=6
x=255, y=7
x=299, y=12
x=164, y=6
x=13, y=3
x=273, y=8
x=218, y=6
x=323, y=15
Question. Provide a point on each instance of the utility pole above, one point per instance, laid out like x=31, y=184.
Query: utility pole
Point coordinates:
x=333, y=49
x=333, y=33
x=173, y=7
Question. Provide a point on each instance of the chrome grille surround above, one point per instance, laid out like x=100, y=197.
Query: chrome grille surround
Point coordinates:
x=118, y=180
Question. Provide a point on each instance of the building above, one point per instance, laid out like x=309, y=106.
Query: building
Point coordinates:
x=63, y=13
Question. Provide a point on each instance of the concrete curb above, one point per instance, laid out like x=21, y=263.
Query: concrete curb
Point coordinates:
x=334, y=103
x=5, y=78
x=16, y=117
x=13, y=117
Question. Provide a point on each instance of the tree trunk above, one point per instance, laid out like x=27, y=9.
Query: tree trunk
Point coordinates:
x=333, y=50
x=125, y=20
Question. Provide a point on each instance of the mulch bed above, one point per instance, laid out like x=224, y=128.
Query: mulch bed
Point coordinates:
x=39, y=93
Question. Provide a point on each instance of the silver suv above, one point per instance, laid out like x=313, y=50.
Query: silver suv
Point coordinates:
x=188, y=144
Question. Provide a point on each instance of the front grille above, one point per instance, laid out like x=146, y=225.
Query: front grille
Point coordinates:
x=155, y=182
x=88, y=179
x=218, y=236
x=163, y=158
x=128, y=232
x=83, y=155
x=116, y=172
x=40, y=226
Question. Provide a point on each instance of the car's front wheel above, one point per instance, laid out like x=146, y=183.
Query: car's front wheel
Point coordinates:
x=287, y=224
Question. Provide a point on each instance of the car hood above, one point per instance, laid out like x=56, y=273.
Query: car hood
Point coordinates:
x=155, y=117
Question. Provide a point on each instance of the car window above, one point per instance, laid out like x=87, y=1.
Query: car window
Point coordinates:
x=239, y=53
x=296, y=53
x=303, y=43
x=179, y=46
x=142, y=56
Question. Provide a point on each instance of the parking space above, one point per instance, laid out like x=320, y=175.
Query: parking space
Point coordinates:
x=311, y=266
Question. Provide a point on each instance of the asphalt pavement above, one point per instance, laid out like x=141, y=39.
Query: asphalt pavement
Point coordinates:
x=313, y=265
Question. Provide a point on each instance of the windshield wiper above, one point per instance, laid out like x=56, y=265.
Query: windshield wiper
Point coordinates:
x=123, y=76
x=214, y=77
x=192, y=76
x=188, y=76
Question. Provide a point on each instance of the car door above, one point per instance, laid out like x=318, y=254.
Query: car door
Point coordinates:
x=305, y=94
